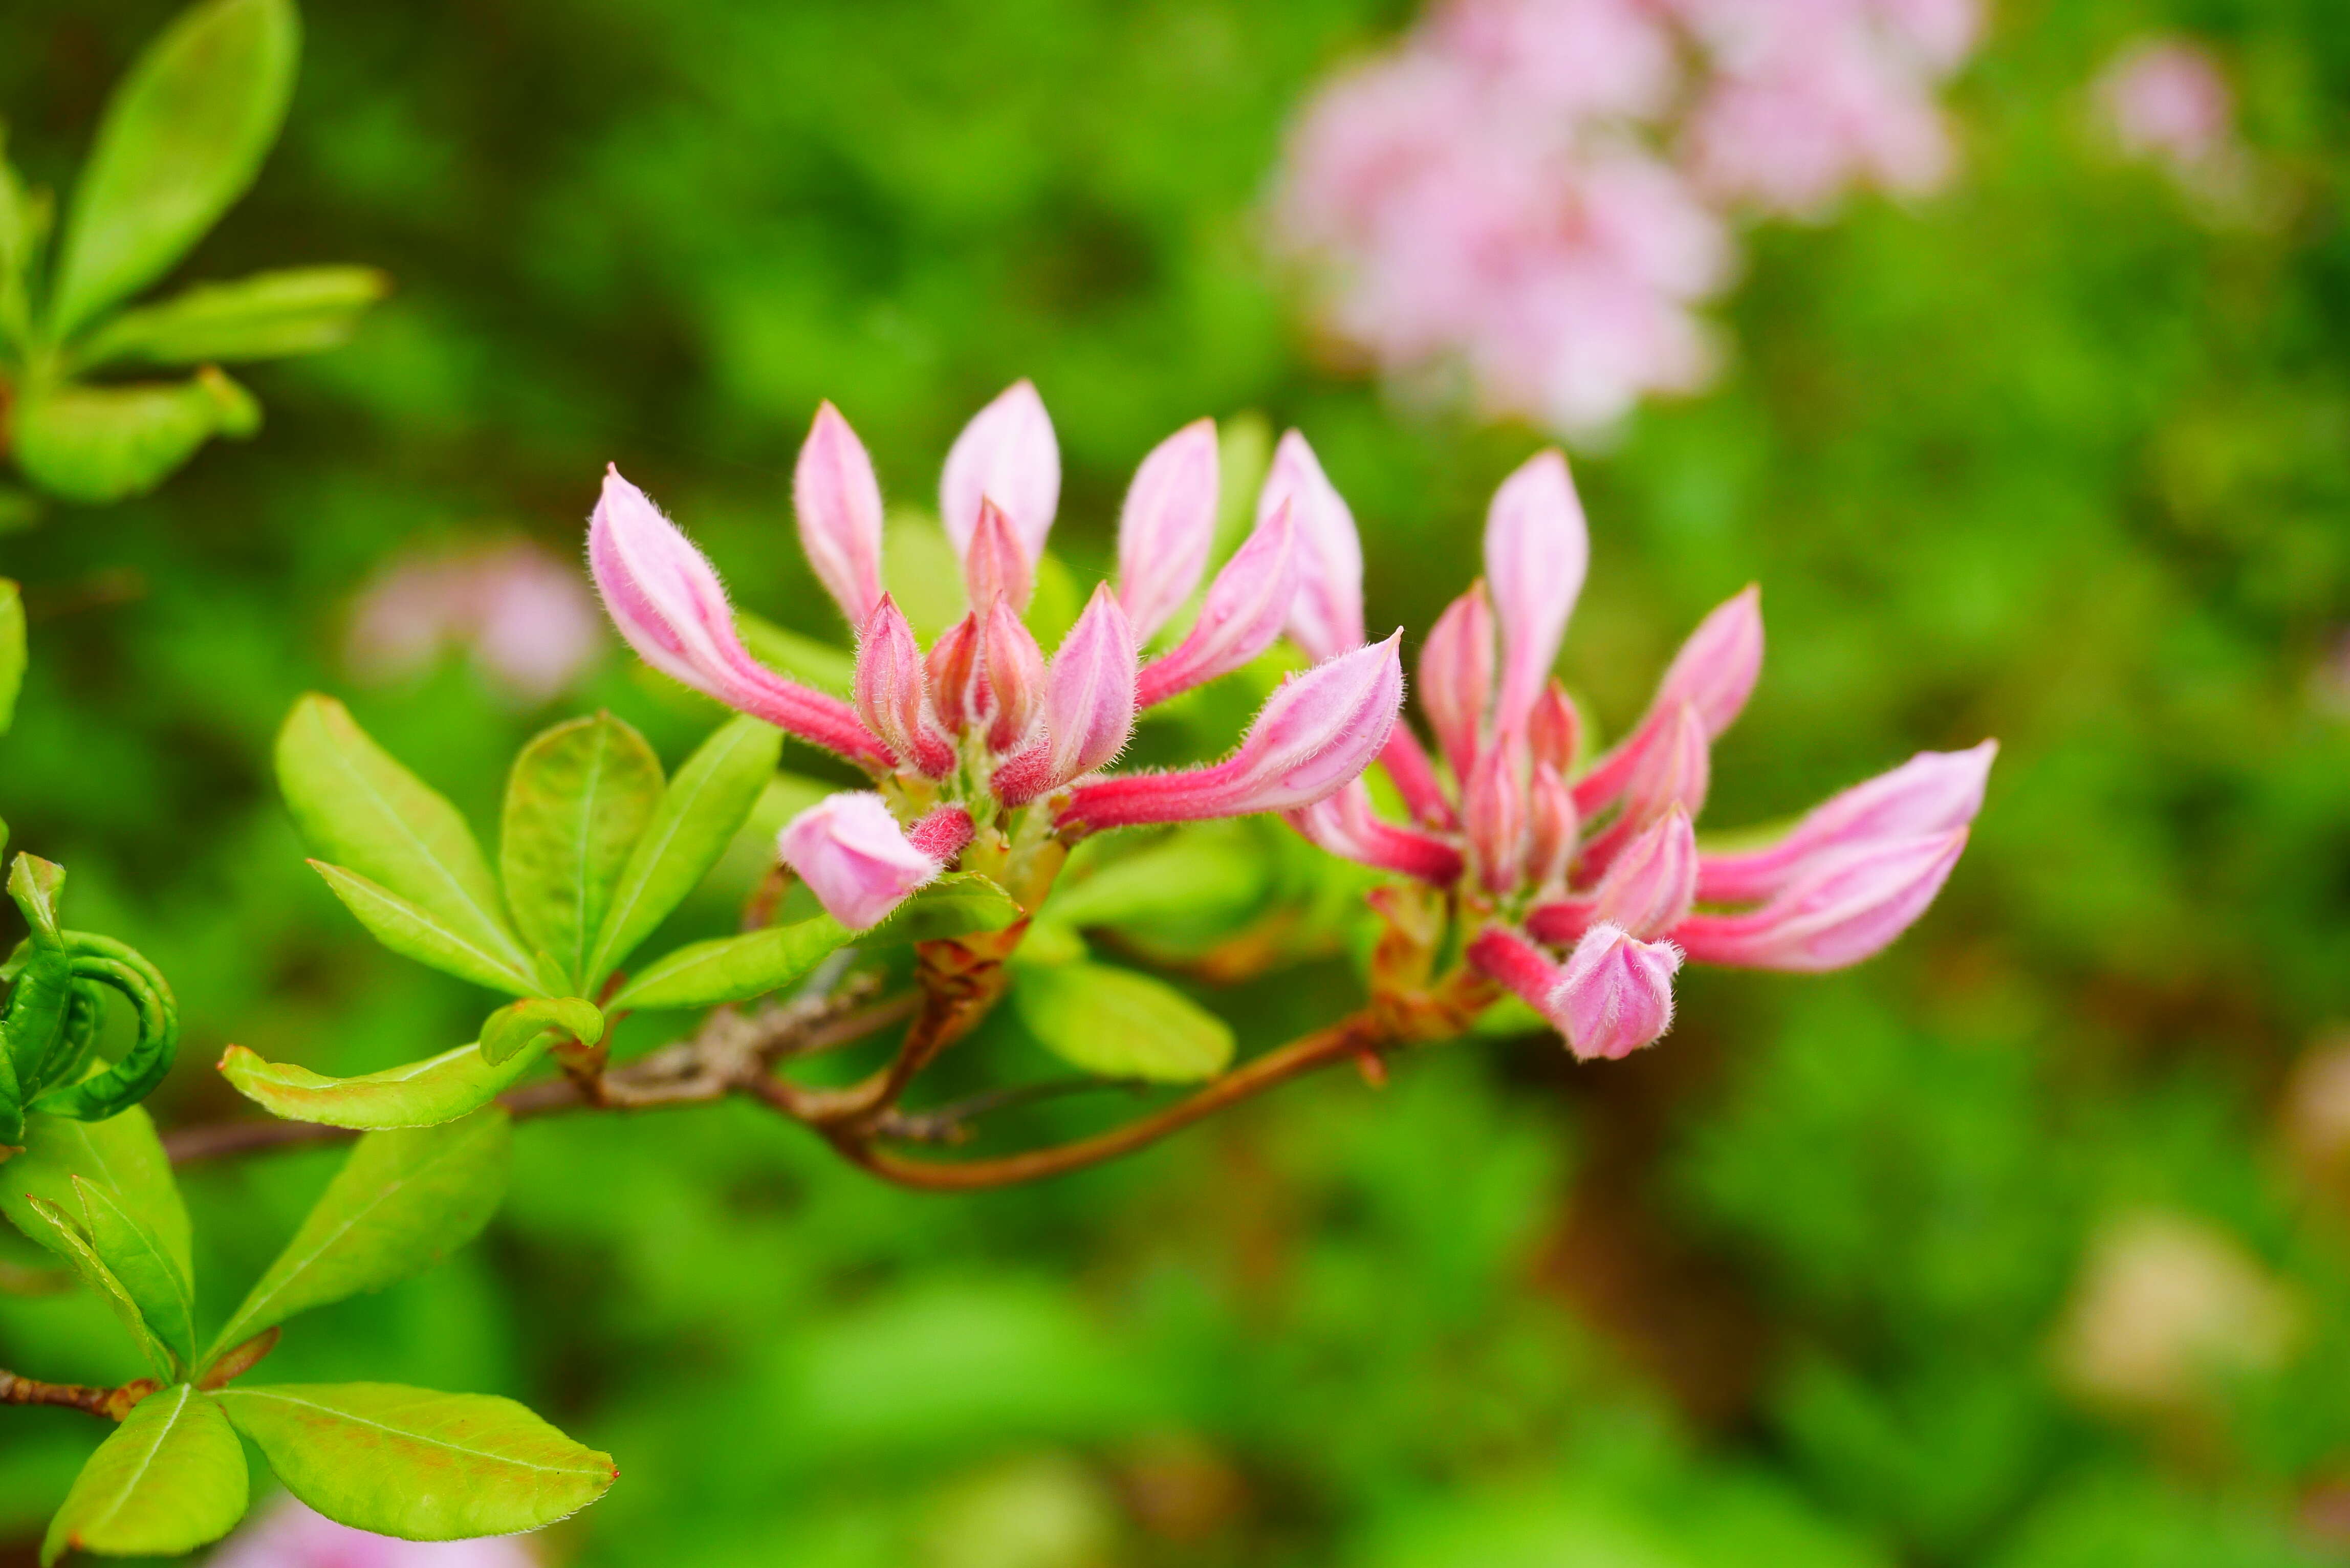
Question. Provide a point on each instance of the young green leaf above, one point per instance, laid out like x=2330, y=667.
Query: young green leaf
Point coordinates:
x=580, y=796
x=417, y=1464
x=171, y=1479
x=358, y=808
x=414, y=931
x=271, y=314
x=1196, y=874
x=401, y=1201
x=99, y=444
x=417, y=1094
x=734, y=969
x=144, y=1267
x=958, y=904
x=12, y=650
x=121, y=1153
x=698, y=812
x=62, y=1236
x=1121, y=1024
x=519, y=1025
x=182, y=138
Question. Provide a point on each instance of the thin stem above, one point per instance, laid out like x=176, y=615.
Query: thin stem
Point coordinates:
x=113, y=1404
x=950, y=1123
x=1340, y=1042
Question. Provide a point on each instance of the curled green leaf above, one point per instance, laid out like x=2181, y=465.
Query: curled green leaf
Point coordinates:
x=521, y=1026
x=415, y=1094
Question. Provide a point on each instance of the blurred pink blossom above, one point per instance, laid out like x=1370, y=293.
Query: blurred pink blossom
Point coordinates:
x=525, y=613
x=288, y=1535
x=2165, y=101
x=1532, y=195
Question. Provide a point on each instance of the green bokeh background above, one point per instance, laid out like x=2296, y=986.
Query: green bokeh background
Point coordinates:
x=2043, y=458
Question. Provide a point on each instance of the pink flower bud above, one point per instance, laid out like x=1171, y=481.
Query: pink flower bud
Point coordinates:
x=1614, y=995
x=854, y=857
x=1456, y=678
x=1012, y=671
x=1316, y=732
x=1088, y=704
x=1551, y=828
x=953, y=668
x=942, y=833
x=666, y=599
x=1536, y=548
x=837, y=503
x=1006, y=454
x=1933, y=792
x=1673, y=770
x=995, y=565
x=888, y=691
x=1344, y=825
x=1554, y=730
x=1652, y=883
x=1166, y=527
x=1848, y=905
x=1243, y=613
x=1713, y=673
x=1326, y=617
x=1493, y=813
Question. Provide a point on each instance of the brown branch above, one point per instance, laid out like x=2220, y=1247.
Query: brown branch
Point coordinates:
x=729, y=1049
x=951, y=1123
x=111, y=1403
x=1358, y=1035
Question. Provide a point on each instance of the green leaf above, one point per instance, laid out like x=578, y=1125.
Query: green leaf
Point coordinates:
x=955, y=905
x=24, y=230
x=100, y=444
x=170, y=1480
x=698, y=812
x=121, y=1153
x=413, y=931
x=265, y=316
x=580, y=796
x=1121, y=1024
x=60, y=1235
x=358, y=808
x=148, y=1274
x=415, y=1094
x=417, y=1464
x=401, y=1201
x=182, y=138
x=12, y=650
x=804, y=659
x=1193, y=874
x=734, y=969
x=518, y=1025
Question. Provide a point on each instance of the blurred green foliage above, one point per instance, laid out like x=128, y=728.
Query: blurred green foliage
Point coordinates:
x=2042, y=459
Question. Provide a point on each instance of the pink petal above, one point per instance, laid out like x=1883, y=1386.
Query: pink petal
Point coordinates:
x=1551, y=828
x=1456, y=678
x=1328, y=616
x=995, y=564
x=1651, y=883
x=1674, y=769
x=854, y=857
x=1346, y=826
x=1849, y=905
x=1166, y=527
x=1536, y=549
x=1415, y=779
x=1012, y=671
x=1243, y=613
x=890, y=691
x=1006, y=454
x=1933, y=792
x=1493, y=815
x=1088, y=703
x=1614, y=993
x=1713, y=673
x=667, y=601
x=837, y=503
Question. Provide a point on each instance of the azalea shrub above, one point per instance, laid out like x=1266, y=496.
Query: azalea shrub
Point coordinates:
x=747, y=915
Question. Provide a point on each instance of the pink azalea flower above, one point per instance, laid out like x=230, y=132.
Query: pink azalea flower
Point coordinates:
x=288, y=1535
x=965, y=739
x=522, y=612
x=2165, y=101
x=1604, y=866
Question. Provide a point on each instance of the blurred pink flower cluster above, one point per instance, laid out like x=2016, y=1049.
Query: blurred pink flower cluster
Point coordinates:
x=524, y=613
x=2165, y=101
x=1537, y=195
x=291, y=1536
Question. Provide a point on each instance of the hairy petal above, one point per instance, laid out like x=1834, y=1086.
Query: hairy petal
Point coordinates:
x=1612, y=996
x=1456, y=678
x=1006, y=454
x=890, y=691
x=1849, y=905
x=1088, y=704
x=1346, y=826
x=1245, y=607
x=838, y=504
x=1652, y=883
x=855, y=857
x=1536, y=551
x=667, y=601
x=1933, y=792
x=995, y=564
x=1166, y=527
x=1713, y=675
x=1328, y=616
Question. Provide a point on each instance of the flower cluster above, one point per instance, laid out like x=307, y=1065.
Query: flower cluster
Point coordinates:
x=519, y=608
x=1602, y=862
x=2165, y=101
x=1529, y=192
x=981, y=750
